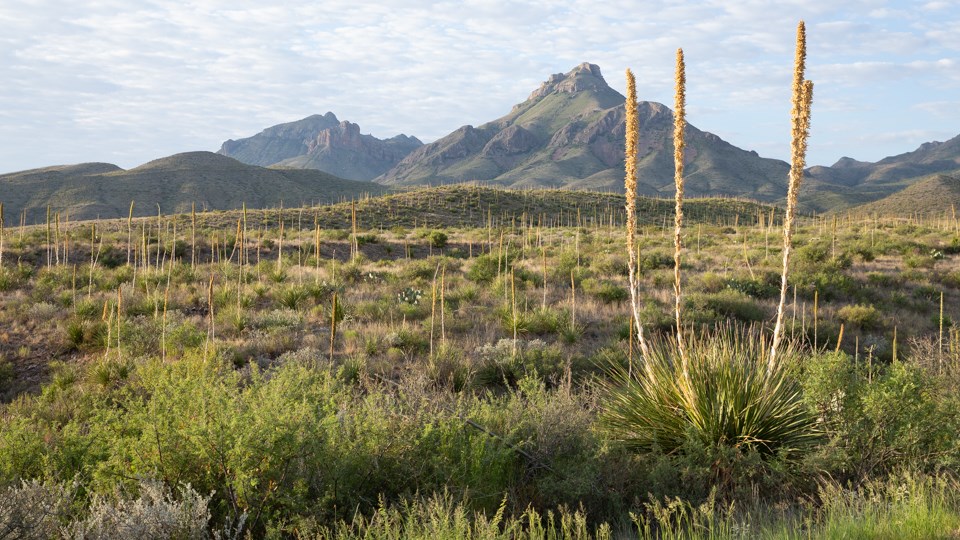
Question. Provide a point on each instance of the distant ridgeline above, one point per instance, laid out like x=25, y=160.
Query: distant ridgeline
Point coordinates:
x=569, y=133
x=175, y=184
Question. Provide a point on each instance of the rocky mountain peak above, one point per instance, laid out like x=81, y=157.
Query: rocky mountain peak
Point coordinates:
x=346, y=135
x=585, y=76
x=929, y=146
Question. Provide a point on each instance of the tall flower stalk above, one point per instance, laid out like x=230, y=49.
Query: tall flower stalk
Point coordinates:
x=800, y=115
x=679, y=125
x=630, y=186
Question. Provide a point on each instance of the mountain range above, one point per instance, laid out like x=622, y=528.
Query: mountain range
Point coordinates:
x=568, y=133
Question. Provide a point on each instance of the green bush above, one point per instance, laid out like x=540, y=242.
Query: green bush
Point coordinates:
x=879, y=421
x=766, y=286
x=484, y=269
x=864, y=317
x=607, y=292
x=438, y=239
x=724, y=305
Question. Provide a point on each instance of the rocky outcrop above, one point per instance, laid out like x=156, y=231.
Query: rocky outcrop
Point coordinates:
x=323, y=143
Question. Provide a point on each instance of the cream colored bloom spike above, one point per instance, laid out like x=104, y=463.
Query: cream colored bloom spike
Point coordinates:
x=800, y=131
x=630, y=187
x=679, y=125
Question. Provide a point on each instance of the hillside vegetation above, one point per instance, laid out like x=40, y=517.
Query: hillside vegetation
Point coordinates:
x=405, y=375
x=935, y=196
x=175, y=183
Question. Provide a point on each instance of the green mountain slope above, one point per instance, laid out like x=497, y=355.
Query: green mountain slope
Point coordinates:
x=209, y=180
x=934, y=195
x=849, y=182
x=570, y=132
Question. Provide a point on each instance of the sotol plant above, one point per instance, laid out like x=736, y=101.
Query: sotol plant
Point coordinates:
x=726, y=388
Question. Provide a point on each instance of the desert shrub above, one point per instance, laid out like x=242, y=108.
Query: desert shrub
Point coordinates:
x=829, y=282
x=707, y=308
x=7, y=371
x=951, y=279
x=112, y=257
x=541, y=321
x=442, y=516
x=74, y=333
x=864, y=316
x=765, y=286
x=111, y=371
x=421, y=270
x=139, y=336
x=565, y=262
x=655, y=260
x=438, y=239
x=278, y=318
x=293, y=297
x=953, y=248
x=8, y=280
x=879, y=422
x=484, y=269
x=42, y=311
x=409, y=341
x=153, y=513
x=35, y=509
x=920, y=261
x=881, y=279
x=183, y=335
x=710, y=282
x=508, y=361
x=612, y=265
x=368, y=238
x=607, y=292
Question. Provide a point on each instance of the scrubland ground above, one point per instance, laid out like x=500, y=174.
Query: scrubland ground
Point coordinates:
x=450, y=381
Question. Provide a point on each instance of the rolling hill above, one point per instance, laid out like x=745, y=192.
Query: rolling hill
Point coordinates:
x=938, y=194
x=211, y=181
x=474, y=205
x=849, y=182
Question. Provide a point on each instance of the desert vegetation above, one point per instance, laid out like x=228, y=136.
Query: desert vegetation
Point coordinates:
x=466, y=362
x=465, y=383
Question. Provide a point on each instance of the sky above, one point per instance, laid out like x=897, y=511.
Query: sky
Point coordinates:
x=126, y=82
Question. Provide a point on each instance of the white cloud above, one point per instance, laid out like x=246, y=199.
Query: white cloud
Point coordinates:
x=131, y=81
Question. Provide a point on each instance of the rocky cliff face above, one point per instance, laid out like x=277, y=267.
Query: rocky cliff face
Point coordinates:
x=323, y=143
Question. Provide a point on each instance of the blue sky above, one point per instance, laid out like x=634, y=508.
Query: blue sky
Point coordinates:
x=126, y=82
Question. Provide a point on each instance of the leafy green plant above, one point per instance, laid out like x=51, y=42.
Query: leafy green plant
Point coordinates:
x=293, y=297
x=729, y=398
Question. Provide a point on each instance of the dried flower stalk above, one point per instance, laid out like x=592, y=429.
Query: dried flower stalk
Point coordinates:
x=800, y=114
x=679, y=125
x=630, y=186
